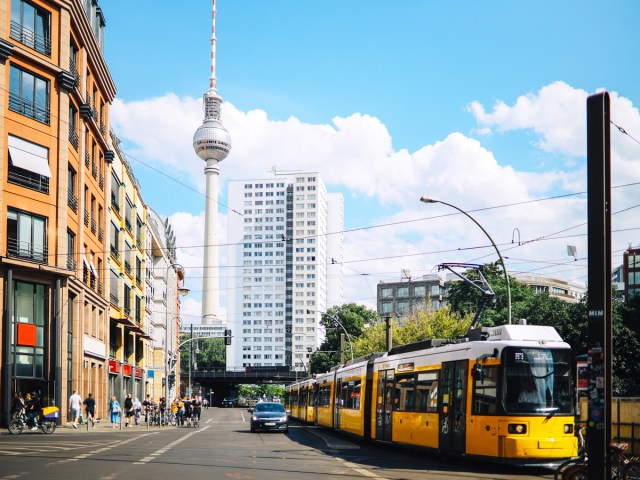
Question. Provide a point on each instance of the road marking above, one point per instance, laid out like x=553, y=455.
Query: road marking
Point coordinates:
x=113, y=445
x=164, y=449
x=360, y=470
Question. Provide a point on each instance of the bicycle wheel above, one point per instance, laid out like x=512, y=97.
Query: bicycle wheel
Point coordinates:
x=16, y=427
x=575, y=472
x=559, y=475
x=172, y=420
x=631, y=470
x=48, y=426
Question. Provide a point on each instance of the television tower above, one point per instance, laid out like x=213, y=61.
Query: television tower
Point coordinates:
x=212, y=144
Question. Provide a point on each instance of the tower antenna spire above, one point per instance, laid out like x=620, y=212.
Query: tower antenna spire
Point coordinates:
x=212, y=81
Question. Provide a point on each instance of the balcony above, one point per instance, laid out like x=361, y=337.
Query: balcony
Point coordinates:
x=100, y=234
x=113, y=298
x=139, y=242
x=114, y=203
x=94, y=170
x=127, y=267
x=31, y=39
x=27, y=250
x=100, y=287
x=114, y=252
x=87, y=159
x=92, y=281
x=26, y=107
x=27, y=179
x=71, y=263
x=86, y=217
x=74, y=70
x=94, y=226
x=73, y=139
x=127, y=224
x=101, y=182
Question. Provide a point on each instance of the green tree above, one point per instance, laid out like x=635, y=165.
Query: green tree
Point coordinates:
x=353, y=318
x=210, y=355
x=268, y=390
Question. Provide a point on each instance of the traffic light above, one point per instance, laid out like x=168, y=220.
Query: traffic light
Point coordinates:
x=172, y=379
x=227, y=337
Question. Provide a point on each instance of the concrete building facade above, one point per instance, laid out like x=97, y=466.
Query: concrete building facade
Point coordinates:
x=281, y=271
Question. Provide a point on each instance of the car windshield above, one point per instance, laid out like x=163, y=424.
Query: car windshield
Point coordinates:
x=269, y=407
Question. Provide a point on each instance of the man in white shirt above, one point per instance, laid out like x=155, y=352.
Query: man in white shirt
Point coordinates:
x=74, y=407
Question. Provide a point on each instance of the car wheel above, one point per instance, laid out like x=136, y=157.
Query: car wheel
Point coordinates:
x=253, y=430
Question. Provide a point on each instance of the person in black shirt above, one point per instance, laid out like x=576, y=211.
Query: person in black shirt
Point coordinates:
x=33, y=409
x=17, y=406
x=128, y=410
x=196, y=409
x=90, y=407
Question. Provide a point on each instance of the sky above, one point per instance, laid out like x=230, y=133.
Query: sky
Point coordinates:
x=479, y=104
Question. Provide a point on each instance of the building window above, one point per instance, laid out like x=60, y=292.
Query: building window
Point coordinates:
x=29, y=319
x=30, y=26
x=420, y=291
x=71, y=250
x=28, y=165
x=386, y=292
x=29, y=95
x=26, y=235
x=402, y=292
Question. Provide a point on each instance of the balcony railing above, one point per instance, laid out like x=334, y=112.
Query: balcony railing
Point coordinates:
x=92, y=281
x=26, y=107
x=86, y=218
x=94, y=226
x=114, y=203
x=73, y=139
x=114, y=252
x=113, y=298
x=28, y=37
x=71, y=263
x=139, y=242
x=27, y=250
x=85, y=274
x=127, y=267
x=94, y=170
x=101, y=182
x=100, y=234
x=74, y=70
x=100, y=287
x=87, y=159
x=27, y=179
x=127, y=224
x=72, y=201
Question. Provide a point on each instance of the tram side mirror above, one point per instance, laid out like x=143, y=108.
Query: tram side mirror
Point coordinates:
x=478, y=372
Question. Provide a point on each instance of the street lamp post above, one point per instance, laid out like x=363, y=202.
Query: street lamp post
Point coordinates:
x=181, y=291
x=335, y=319
x=426, y=199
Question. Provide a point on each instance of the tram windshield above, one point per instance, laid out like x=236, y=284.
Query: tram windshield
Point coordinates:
x=537, y=381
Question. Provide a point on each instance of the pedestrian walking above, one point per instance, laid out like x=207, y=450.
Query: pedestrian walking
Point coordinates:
x=114, y=409
x=147, y=403
x=137, y=408
x=128, y=410
x=90, y=408
x=180, y=414
x=196, y=409
x=74, y=407
x=187, y=410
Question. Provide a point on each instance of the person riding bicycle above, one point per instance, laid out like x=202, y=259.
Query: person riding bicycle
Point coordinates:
x=17, y=406
x=33, y=410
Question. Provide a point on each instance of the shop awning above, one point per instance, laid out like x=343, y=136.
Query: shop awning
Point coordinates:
x=29, y=156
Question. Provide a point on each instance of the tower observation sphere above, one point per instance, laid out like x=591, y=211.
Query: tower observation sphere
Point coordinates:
x=211, y=140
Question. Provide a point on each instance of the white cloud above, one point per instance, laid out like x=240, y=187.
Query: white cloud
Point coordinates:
x=356, y=153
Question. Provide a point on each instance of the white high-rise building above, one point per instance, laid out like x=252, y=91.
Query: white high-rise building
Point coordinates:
x=284, y=270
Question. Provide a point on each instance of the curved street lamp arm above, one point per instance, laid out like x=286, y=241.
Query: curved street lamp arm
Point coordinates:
x=425, y=199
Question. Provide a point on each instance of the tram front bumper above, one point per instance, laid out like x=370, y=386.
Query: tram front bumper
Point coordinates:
x=528, y=447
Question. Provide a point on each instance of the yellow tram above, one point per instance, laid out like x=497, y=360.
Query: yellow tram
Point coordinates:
x=503, y=394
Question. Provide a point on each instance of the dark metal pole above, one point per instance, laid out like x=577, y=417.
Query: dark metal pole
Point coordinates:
x=7, y=363
x=342, y=349
x=58, y=355
x=599, y=281
x=388, y=333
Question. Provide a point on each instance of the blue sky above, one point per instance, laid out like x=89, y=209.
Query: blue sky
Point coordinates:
x=478, y=103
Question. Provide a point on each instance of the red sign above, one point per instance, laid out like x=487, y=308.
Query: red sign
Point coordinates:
x=126, y=370
x=26, y=334
x=114, y=366
x=138, y=372
x=582, y=376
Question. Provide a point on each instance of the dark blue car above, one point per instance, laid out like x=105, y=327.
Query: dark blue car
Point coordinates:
x=269, y=416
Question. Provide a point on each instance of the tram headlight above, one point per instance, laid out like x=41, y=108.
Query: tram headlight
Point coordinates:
x=568, y=428
x=517, y=428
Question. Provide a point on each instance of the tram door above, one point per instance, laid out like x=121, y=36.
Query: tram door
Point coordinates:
x=337, y=404
x=384, y=405
x=453, y=388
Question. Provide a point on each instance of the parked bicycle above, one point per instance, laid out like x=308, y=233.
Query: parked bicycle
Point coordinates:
x=45, y=422
x=623, y=468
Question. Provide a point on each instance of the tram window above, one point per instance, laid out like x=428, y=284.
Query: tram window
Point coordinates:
x=312, y=398
x=350, y=395
x=324, y=398
x=404, y=394
x=485, y=393
x=427, y=392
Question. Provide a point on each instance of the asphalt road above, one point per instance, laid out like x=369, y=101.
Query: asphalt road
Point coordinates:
x=223, y=448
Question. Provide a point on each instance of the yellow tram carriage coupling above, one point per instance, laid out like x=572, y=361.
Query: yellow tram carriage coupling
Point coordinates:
x=501, y=394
